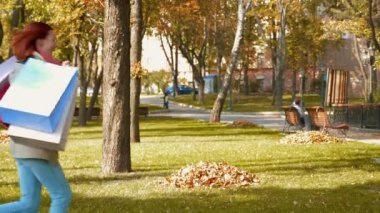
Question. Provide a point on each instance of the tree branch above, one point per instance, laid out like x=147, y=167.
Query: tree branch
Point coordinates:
x=372, y=25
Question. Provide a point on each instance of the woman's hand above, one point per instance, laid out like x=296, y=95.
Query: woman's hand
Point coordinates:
x=66, y=63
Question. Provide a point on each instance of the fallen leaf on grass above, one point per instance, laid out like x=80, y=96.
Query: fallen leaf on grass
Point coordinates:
x=4, y=137
x=210, y=175
x=311, y=137
x=242, y=124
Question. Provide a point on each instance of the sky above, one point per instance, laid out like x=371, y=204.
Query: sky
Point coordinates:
x=153, y=57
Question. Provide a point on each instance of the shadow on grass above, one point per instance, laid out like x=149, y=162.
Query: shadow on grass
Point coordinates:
x=254, y=199
x=184, y=128
x=316, y=166
x=135, y=175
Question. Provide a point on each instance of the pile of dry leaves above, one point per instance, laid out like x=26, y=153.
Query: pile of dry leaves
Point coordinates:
x=242, y=124
x=310, y=137
x=210, y=174
x=4, y=137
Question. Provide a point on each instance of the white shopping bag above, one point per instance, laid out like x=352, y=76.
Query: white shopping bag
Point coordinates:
x=53, y=141
x=38, y=95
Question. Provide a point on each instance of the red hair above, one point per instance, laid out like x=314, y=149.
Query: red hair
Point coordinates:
x=24, y=41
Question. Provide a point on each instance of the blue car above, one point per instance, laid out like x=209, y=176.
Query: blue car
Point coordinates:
x=182, y=90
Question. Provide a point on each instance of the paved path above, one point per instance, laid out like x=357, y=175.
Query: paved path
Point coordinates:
x=272, y=120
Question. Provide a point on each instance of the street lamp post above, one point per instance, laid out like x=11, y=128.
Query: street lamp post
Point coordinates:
x=367, y=57
x=302, y=87
x=371, y=73
x=322, y=74
x=230, y=99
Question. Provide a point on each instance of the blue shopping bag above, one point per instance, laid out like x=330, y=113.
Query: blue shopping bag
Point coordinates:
x=38, y=95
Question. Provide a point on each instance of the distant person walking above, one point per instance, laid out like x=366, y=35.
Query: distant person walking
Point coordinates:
x=166, y=100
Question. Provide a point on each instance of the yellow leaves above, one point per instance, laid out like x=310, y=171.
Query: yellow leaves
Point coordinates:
x=4, y=137
x=137, y=71
x=310, y=137
x=210, y=174
x=334, y=29
x=242, y=124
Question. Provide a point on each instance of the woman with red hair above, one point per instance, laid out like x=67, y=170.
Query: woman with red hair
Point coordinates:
x=37, y=167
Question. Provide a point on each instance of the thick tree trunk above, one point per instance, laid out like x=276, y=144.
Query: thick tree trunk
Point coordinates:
x=201, y=91
x=219, y=102
x=136, y=50
x=116, y=82
x=198, y=78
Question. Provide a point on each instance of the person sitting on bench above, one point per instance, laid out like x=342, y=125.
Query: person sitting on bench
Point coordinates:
x=297, y=105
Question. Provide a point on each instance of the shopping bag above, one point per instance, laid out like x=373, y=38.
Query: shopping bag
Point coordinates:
x=38, y=95
x=52, y=141
x=5, y=69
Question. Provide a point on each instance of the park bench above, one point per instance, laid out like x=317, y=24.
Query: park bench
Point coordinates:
x=320, y=120
x=94, y=113
x=144, y=111
x=292, y=119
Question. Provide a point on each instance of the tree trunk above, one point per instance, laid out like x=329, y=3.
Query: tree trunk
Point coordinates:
x=302, y=86
x=135, y=115
x=274, y=49
x=175, y=74
x=95, y=94
x=219, y=69
x=375, y=42
x=196, y=70
x=237, y=83
x=372, y=25
x=136, y=50
x=1, y=39
x=294, y=85
x=116, y=156
x=219, y=102
x=83, y=91
x=245, y=78
x=172, y=60
x=198, y=78
x=281, y=55
x=18, y=17
x=201, y=91
x=17, y=14
x=362, y=69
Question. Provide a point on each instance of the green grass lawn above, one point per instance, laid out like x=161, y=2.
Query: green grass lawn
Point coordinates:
x=294, y=178
x=253, y=103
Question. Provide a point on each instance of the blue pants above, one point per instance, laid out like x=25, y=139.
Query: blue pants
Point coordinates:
x=33, y=173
